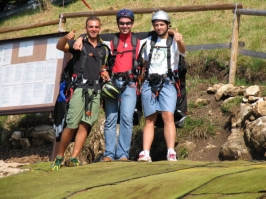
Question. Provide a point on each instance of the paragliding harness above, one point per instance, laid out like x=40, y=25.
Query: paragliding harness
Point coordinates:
x=132, y=75
x=77, y=82
x=68, y=83
x=178, y=77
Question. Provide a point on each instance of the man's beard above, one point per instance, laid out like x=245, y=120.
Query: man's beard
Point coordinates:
x=163, y=34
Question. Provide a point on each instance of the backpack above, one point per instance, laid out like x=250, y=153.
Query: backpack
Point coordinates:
x=136, y=72
x=180, y=84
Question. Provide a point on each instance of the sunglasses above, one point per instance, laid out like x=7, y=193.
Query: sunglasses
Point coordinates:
x=121, y=23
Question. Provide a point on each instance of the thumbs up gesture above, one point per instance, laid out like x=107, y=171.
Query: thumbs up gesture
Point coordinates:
x=178, y=37
x=71, y=34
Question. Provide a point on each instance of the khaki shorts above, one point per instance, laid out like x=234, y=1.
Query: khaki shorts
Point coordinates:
x=76, y=110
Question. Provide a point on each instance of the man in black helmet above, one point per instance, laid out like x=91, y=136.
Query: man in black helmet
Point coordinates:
x=159, y=94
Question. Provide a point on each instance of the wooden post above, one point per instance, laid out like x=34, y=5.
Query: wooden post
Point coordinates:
x=55, y=149
x=234, y=50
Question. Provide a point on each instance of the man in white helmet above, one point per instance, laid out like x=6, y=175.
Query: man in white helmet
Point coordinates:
x=159, y=94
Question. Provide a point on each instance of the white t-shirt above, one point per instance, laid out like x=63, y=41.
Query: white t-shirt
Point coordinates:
x=159, y=56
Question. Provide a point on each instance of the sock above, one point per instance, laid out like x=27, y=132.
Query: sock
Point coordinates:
x=170, y=150
x=147, y=152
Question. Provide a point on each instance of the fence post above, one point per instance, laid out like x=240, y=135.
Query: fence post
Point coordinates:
x=234, y=50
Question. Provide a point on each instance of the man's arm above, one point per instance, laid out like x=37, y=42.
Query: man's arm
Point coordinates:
x=62, y=42
x=79, y=42
x=105, y=37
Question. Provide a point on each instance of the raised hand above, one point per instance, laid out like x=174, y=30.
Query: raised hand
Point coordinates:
x=71, y=34
x=178, y=37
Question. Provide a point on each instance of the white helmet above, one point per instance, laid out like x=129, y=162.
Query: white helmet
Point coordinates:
x=160, y=15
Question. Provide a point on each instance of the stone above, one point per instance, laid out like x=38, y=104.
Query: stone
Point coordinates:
x=260, y=109
x=203, y=102
x=25, y=143
x=235, y=146
x=252, y=91
x=45, y=132
x=220, y=92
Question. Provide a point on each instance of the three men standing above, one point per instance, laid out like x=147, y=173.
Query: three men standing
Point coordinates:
x=157, y=65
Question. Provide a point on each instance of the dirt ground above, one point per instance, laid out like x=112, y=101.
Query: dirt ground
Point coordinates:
x=207, y=149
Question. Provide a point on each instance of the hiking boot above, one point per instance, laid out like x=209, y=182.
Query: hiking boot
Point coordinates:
x=171, y=156
x=73, y=162
x=107, y=159
x=57, y=163
x=143, y=157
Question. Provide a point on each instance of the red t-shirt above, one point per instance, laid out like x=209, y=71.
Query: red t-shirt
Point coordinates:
x=123, y=61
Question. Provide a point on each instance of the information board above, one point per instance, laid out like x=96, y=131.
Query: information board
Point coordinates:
x=30, y=70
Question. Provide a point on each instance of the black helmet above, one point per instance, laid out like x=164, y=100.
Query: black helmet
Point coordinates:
x=125, y=13
x=110, y=91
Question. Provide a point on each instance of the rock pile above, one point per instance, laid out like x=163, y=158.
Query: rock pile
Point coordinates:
x=248, y=127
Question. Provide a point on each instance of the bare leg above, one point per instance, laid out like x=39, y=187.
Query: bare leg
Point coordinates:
x=80, y=138
x=169, y=129
x=148, y=132
x=66, y=137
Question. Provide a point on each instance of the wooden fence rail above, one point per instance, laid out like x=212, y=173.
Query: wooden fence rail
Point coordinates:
x=212, y=46
x=150, y=10
x=30, y=26
x=64, y=16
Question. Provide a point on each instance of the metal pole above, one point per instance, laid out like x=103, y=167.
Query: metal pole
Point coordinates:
x=251, y=12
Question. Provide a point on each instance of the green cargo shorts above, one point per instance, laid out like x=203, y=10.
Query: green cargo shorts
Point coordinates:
x=76, y=110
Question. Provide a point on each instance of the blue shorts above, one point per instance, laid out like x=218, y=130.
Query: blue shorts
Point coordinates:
x=166, y=101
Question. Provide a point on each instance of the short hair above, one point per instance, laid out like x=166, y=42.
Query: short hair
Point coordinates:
x=93, y=18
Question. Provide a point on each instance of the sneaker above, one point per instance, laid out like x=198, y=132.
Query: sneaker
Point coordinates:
x=171, y=156
x=73, y=162
x=143, y=157
x=107, y=159
x=57, y=163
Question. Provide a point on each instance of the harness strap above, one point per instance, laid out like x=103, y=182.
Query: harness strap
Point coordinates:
x=168, y=44
x=169, y=41
x=156, y=91
x=89, y=99
x=134, y=43
x=83, y=61
x=126, y=77
x=169, y=74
